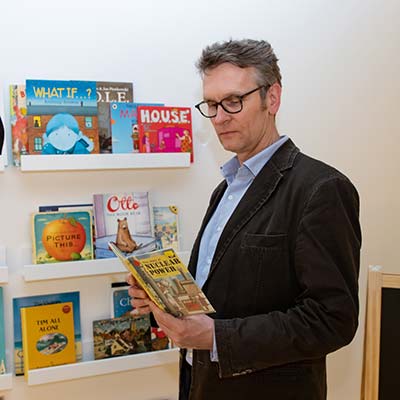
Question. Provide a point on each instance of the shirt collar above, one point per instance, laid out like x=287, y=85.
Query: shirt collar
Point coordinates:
x=253, y=164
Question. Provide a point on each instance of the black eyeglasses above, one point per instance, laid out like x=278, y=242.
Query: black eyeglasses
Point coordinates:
x=232, y=104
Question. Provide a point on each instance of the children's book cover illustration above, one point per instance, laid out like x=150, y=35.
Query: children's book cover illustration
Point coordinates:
x=48, y=336
x=62, y=117
x=62, y=236
x=107, y=92
x=166, y=231
x=165, y=130
x=18, y=119
x=115, y=337
x=123, y=218
x=40, y=300
x=124, y=127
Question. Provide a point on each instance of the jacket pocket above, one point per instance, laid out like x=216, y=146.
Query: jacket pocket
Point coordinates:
x=267, y=242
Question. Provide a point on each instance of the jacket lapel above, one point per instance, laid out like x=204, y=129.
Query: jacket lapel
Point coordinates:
x=264, y=184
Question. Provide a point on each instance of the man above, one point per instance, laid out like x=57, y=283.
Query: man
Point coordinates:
x=277, y=253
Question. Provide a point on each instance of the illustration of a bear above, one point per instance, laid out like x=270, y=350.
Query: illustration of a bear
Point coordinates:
x=124, y=239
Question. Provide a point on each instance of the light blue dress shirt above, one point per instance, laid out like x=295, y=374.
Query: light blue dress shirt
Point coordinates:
x=239, y=178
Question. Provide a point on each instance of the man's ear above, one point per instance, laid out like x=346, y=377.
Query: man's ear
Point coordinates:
x=274, y=98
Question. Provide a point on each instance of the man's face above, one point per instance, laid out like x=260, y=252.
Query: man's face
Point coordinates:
x=249, y=131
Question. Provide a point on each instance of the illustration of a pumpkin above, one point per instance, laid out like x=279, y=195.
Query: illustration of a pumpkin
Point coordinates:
x=64, y=239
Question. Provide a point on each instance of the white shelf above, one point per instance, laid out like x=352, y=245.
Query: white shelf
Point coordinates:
x=100, y=367
x=2, y=163
x=3, y=267
x=5, y=382
x=73, y=269
x=103, y=161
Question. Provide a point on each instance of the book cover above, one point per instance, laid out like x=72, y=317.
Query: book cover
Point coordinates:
x=124, y=127
x=107, y=92
x=120, y=300
x=115, y=337
x=48, y=335
x=166, y=228
x=62, y=117
x=2, y=338
x=39, y=300
x=121, y=307
x=167, y=281
x=18, y=120
x=123, y=218
x=62, y=236
x=165, y=130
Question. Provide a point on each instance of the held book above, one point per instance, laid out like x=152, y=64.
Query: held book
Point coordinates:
x=167, y=281
x=48, y=335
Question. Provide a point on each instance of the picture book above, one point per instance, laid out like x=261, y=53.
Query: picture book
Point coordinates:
x=115, y=337
x=165, y=130
x=107, y=92
x=62, y=117
x=121, y=307
x=120, y=300
x=18, y=120
x=48, y=335
x=124, y=127
x=62, y=236
x=166, y=232
x=39, y=300
x=167, y=281
x=2, y=338
x=123, y=218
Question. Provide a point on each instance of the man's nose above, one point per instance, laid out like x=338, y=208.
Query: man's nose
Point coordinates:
x=222, y=116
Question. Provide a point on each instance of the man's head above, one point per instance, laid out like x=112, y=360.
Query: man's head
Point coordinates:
x=245, y=53
x=241, y=92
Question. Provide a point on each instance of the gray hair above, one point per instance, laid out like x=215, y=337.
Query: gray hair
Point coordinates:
x=243, y=53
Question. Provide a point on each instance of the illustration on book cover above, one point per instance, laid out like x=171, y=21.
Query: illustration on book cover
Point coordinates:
x=125, y=219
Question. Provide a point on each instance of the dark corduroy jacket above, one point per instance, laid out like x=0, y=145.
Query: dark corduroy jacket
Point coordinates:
x=283, y=282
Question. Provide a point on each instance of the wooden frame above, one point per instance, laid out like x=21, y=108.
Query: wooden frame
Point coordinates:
x=377, y=280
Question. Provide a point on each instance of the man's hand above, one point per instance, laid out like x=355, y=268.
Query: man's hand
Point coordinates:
x=191, y=332
x=194, y=331
x=139, y=299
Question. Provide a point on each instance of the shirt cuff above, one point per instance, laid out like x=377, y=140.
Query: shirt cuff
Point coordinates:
x=214, y=352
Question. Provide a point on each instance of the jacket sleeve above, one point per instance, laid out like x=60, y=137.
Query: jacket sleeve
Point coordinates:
x=325, y=256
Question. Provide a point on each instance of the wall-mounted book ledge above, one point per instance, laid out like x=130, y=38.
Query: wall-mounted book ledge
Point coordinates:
x=5, y=382
x=74, y=269
x=100, y=367
x=103, y=161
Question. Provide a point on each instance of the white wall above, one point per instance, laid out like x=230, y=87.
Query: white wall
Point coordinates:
x=340, y=63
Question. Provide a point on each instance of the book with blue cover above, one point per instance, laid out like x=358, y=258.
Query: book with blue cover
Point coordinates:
x=31, y=301
x=2, y=338
x=62, y=117
x=124, y=126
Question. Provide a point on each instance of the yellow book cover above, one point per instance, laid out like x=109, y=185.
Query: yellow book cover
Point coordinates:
x=167, y=281
x=48, y=335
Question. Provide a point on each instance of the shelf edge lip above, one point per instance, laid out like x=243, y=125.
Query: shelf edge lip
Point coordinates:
x=32, y=163
x=76, y=269
x=5, y=382
x=87, y=369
